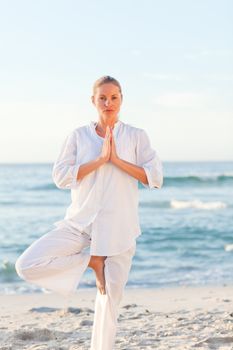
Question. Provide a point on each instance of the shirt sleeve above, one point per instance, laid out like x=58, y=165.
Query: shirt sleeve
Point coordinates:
x=148, y=158
x=65, y=168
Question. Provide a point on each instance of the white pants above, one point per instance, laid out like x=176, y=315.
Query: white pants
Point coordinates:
x=57, y=261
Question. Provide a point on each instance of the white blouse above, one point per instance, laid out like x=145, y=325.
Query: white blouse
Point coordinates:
x=105, y=201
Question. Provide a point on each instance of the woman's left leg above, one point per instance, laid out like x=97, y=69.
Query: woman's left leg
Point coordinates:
x=117, y=268
x=56, y=260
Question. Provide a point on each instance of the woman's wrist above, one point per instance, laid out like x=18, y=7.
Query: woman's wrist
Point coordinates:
x=101, y=160
x=115, y=159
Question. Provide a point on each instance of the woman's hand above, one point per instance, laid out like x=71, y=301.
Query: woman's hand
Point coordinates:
x=113, y=154
x=106, y=148
x=109, y=148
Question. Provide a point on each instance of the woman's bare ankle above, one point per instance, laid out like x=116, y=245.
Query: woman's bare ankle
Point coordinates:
x=96, y=262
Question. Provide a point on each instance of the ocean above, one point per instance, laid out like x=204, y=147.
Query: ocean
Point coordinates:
x=187, y=225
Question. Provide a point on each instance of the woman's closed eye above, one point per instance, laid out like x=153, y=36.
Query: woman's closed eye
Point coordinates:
x=103, y=98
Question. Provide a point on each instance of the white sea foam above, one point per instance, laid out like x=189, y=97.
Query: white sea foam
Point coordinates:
x=197, y=204
x=228, y=247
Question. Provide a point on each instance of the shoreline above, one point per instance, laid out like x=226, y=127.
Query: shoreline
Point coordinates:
x=162, y=318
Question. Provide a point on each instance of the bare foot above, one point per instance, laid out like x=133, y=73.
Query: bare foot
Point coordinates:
x=97, y=264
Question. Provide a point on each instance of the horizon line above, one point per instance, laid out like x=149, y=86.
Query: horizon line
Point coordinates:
x=163, y=161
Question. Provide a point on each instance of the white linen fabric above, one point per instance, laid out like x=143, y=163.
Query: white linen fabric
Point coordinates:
x=58, y=260
x=103, y=216
x=104, y=203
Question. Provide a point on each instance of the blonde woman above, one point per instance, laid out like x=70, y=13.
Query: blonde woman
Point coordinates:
x=101, y=163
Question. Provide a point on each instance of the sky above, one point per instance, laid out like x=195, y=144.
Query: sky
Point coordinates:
x=173, y=59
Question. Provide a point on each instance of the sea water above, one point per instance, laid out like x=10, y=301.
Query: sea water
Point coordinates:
x=187, y=225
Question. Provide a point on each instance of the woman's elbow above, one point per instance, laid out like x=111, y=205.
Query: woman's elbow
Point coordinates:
x=158, y=180
x=60, y=184
x=159, y=183
x=60, y=181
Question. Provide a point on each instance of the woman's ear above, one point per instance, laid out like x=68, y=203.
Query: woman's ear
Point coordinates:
x=93, y=100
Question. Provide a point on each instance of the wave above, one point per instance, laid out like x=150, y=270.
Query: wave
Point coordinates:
x=33, y=203
x=7, y=272
x=206, y=180
x=160, y=204
x=179, y=204
x=197, y=204
x=228, y=247
x=44, y=187
x=176, y=181
x=168, y=181
x=155, y=204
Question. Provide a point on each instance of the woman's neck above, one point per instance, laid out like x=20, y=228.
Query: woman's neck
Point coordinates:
x=101, y=125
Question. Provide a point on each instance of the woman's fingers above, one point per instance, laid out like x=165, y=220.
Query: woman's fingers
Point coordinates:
x=107, y=144
x=107, y=134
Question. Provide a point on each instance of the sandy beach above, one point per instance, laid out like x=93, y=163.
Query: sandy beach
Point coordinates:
x=166, y=318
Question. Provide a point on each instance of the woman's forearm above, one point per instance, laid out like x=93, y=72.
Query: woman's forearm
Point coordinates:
x=132, y=169
x=87, y=168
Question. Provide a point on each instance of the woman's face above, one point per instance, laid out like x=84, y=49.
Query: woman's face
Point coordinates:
x=107, y=100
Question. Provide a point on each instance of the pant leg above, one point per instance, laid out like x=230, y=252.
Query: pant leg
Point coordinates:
x=55, y=261
x=116, y=272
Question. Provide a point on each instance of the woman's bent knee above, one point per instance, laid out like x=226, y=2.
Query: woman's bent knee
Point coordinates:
x=21, y=268
x=24, y=267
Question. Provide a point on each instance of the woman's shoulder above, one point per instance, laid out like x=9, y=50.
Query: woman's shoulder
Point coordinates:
x=132, y=129
x=80, y=130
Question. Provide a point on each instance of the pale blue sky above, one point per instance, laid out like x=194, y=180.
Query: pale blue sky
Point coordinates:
x=174, y=60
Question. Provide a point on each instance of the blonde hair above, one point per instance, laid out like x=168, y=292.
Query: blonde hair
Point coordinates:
x=105, y=80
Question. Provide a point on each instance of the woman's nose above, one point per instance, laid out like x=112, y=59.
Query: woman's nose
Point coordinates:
x=107, y=103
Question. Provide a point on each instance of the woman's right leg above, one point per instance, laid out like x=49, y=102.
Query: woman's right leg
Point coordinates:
x=97, y=264
x=56, y=261
x=117, y=268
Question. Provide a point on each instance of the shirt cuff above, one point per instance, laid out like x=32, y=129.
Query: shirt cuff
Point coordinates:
x=152, y=184
x=75, y=183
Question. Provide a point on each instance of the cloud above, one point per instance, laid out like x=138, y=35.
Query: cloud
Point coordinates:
x=184, y=99
x=208, y=52
x=220, y=77
x=190, y=77
x=166, y=77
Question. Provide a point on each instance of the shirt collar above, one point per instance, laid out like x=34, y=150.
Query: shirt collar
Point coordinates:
x=116, y=127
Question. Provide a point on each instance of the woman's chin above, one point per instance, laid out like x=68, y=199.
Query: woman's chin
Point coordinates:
x=108, y=116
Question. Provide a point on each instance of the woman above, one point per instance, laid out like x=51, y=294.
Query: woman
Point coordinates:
x=101, y=163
